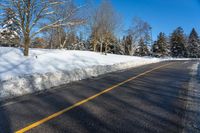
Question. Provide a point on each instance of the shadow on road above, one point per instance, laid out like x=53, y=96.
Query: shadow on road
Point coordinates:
x=150, y=104
x=5, y=123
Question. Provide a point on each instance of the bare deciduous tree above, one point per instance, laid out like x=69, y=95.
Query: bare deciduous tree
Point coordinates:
x=59, y=36
x=139, y=30
x=104, y=23
x=31, y=12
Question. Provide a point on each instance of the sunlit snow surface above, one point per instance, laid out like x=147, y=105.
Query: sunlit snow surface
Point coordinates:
x=13, y=63
x=43, y=69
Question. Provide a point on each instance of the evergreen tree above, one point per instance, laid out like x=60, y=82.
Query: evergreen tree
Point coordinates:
x=142, y=49
x=10, y=21
x=9, y=34
x=193, y=45
x=161, y=47
x=178, y=43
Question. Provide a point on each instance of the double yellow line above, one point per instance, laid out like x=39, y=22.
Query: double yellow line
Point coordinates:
x=84, y=101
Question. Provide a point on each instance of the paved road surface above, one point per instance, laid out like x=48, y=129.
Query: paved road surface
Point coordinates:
x=153, y=102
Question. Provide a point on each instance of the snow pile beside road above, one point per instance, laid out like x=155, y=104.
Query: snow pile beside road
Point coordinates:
x=192, y=117
x=44, y=69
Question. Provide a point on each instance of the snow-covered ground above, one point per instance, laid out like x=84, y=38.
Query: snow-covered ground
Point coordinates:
x=44, y=69
x=192, y=117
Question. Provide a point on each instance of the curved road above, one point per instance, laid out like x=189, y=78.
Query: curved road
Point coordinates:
x=147, y=99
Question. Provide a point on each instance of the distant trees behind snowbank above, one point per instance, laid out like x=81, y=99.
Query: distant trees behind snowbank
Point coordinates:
x=62, y=24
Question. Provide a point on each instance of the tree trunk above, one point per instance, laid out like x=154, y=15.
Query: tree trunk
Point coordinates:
x=106, y=46
x=101, y=45
x=26, y=45
x=94, y=48
x=101, y=49
x=95, y=45
x=64, y=43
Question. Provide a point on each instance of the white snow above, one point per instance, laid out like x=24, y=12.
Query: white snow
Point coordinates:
x=44, y=69
x=192, y=119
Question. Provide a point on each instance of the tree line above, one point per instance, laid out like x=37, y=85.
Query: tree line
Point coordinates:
x=62, y=24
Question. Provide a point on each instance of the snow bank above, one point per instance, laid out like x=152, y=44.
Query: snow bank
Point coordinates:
x=44, y=69
x=192, y=114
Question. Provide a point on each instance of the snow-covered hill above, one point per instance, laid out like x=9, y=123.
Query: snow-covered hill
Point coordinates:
x=44, y=69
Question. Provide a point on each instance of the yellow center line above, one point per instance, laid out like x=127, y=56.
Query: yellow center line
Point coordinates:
x=42, y=121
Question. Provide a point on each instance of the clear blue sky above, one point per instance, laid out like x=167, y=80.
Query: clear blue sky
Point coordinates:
x=162, y=15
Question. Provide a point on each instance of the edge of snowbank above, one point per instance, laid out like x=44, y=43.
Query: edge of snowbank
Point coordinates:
x=27, y=84
x=191, y=119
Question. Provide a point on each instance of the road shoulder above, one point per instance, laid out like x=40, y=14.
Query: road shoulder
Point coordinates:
x=192, y=117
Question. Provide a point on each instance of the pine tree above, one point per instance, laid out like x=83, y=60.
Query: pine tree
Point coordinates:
x=9, y=34
x=10, y=20
x=142, y=49
x=178, y=43
x=193, y=45
x=161, y=47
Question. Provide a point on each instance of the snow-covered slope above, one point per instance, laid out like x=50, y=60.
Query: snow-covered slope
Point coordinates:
x=44, y=69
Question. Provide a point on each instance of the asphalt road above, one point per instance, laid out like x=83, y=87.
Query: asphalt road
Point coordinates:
x=152, y=102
